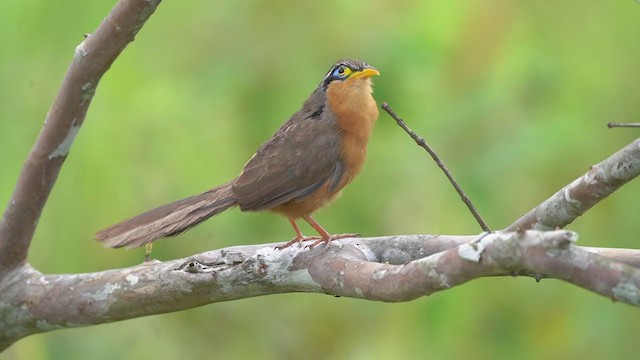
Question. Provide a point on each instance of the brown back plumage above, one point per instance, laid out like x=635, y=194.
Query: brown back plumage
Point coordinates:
x=301, y=156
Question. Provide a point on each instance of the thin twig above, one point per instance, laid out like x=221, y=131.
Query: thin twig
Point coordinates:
x=612, y=125
x=420, y=141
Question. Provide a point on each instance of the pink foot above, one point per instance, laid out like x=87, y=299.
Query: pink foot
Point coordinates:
x=331, y=238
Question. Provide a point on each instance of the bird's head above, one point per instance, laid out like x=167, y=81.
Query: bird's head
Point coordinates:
x=346, y=90
x=349, y=72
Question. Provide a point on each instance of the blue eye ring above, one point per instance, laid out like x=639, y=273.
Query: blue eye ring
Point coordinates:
x=340, y=72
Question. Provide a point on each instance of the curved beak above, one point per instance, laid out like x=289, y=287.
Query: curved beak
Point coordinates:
x=366, y=72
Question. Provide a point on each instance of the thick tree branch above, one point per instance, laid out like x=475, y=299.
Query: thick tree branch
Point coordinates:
x=583, y=193
x=396, y=268
x=92, y=59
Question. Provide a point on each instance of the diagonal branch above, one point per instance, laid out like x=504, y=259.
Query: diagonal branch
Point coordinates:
x=92, y=59
x=423, y=144
x=583, y=193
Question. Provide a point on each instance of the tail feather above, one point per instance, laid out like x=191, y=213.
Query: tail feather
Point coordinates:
x=168, y=220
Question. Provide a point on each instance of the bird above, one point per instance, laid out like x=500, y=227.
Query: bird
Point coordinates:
x=301, y=168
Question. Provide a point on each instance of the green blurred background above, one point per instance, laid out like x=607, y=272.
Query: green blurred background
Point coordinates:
x=513, y=95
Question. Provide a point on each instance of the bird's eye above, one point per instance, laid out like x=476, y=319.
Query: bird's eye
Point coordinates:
x=341, y=72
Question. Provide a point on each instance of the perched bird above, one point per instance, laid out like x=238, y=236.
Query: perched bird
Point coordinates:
x=301, y=168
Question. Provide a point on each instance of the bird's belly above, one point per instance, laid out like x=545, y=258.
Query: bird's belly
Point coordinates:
x=309, y=204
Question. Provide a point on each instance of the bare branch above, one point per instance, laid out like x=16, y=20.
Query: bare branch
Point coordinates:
x=420, y=141
x=625, y=256
x=396, y=268
x=91, y=60
x=612, y=125
x=583, y=193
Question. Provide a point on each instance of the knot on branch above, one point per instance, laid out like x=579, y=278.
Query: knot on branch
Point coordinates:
x=510, y=249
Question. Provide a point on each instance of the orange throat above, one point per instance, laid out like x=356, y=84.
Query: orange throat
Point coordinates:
x=356, y=111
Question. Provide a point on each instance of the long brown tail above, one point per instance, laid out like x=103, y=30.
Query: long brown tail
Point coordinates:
x=168, y=220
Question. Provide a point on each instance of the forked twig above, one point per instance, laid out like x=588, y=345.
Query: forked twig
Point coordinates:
x=420, y=141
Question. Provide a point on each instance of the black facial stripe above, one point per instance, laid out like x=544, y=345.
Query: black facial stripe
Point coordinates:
x=354, y=65
x=327, y=79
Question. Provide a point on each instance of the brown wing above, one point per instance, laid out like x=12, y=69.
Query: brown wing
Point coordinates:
x=298, y=159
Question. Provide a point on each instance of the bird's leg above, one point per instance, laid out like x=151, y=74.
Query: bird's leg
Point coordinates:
x=147, y=251
x=325, y=237
x=299, y=237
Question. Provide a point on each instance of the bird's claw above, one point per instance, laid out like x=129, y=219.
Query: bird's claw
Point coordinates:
x=296, y=240
x=331, y=238
x=319, y=240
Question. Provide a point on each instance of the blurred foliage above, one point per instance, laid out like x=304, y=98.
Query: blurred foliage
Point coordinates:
x=513, y=95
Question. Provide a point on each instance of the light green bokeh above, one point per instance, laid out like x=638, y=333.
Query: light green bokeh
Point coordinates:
x=513, y=95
